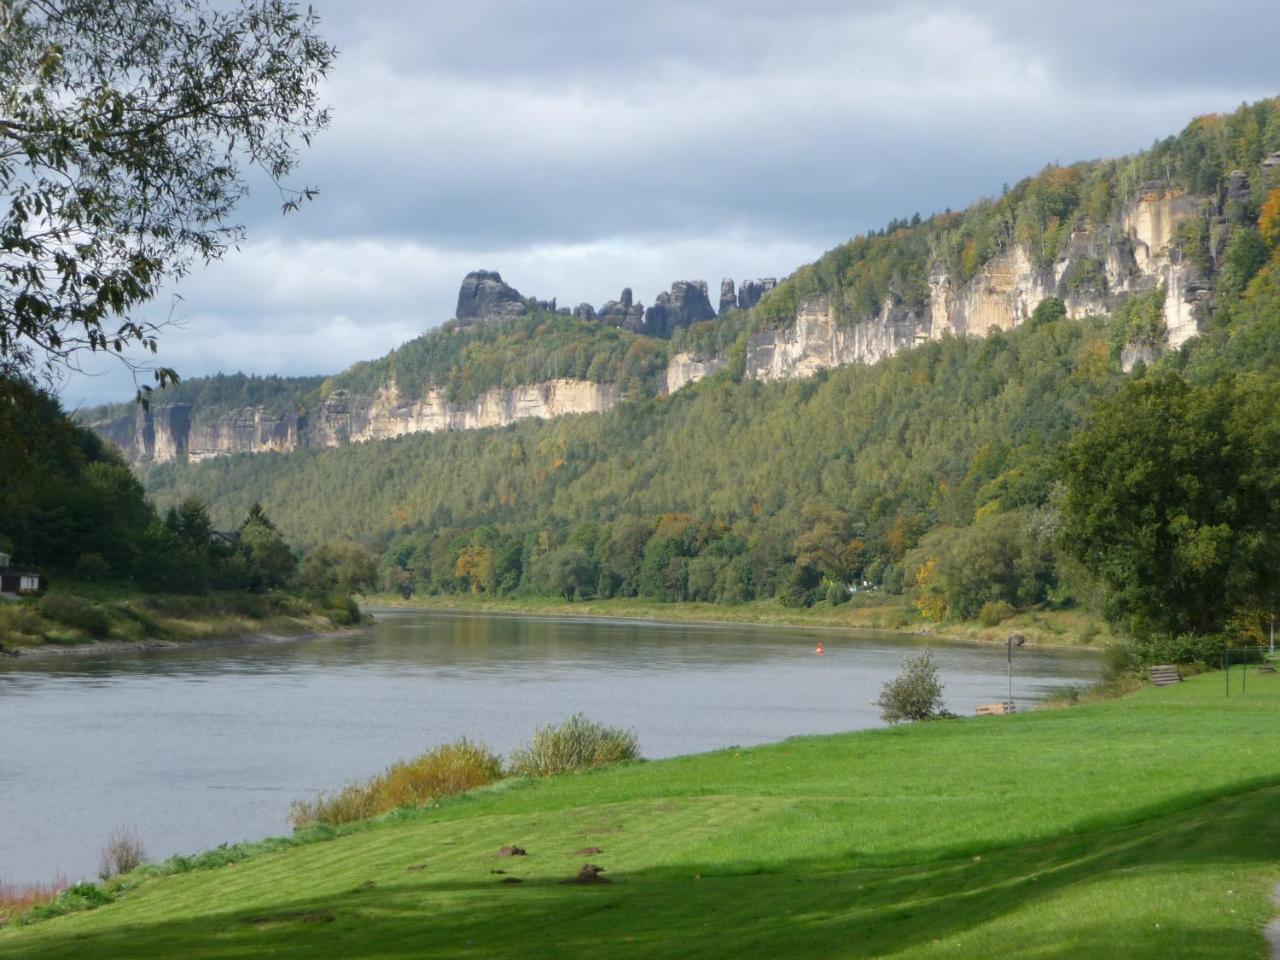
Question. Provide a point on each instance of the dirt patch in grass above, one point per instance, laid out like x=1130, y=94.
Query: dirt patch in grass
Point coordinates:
x=590, y=851
x=293, y=916
x=415, y=867
x=511, y=851
x=511, y=880
x=590, y=873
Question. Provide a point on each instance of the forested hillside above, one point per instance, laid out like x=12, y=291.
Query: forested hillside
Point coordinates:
x=941, y=471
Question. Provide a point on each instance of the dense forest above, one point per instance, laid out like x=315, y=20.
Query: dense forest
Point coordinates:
x=963, y=473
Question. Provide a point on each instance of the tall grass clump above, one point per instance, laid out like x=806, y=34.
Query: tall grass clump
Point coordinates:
x=123, y=852
x=576, y=744
x=17, y=898
x=441, y=772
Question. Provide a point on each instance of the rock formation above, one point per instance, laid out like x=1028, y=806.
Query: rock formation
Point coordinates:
x=728, y=299
x=687, y=303
x=485, y=298
x=585, y=311
x=750, y=291
x=623, y=312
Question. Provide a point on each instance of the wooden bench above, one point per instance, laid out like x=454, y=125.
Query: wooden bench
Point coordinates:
x=1164, y=675
x=994, y=709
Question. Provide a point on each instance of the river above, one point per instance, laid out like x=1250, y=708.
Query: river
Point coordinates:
x=196, y=747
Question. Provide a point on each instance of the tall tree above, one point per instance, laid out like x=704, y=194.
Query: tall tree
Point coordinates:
x=1173, y=499
x=126, y=133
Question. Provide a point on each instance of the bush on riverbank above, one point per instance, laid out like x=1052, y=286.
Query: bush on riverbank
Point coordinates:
x=440, y=772
x=576, y=744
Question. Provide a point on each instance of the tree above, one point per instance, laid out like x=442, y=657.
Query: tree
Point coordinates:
x=126, y=130
x=914, y=694
x=271, y=562
x=337, y=570
x=1172, y=498
x=564, y=571
x=828, y=543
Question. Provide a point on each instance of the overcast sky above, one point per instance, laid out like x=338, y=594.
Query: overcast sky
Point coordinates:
x=580, y=146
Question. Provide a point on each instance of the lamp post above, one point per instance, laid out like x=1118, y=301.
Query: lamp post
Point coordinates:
x=1015, y=640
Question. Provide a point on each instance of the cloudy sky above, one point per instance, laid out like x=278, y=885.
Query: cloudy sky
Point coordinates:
x=580, y=146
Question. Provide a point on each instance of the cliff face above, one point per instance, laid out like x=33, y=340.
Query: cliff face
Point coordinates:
x=349, y=418
x=1136, y=254
x=166, y=433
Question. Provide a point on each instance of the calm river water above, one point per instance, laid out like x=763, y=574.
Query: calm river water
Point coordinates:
x=193, y=748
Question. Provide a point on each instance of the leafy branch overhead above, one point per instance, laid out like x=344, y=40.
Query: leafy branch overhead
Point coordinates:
x=127, y=133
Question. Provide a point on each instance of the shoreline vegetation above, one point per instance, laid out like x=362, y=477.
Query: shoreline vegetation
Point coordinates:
x=729, y=833
x=1074, y=628
x=93, y=619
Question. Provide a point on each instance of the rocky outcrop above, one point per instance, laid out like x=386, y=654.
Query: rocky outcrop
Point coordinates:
x=486, y=298
x=247, y=430
x=686, y=368
x=728, y=299
x=585, y=311
x=623, y=312
x=166, y=433
x=686, y=304
x=750, y=291
x=160, y=432
x=1137, y=253
x=387, y=414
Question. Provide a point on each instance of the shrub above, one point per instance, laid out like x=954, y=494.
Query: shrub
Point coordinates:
x=18, y=619
x=440, y=772
x=837, y=594
x=122, y=853
x=915, y=694
x=1180, y=648
x=76, y=613
x=576, y=744
x=800, y=587
x=995, y=612
x=92, y=566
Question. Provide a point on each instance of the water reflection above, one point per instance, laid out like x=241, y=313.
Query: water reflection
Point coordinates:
x=199, y=746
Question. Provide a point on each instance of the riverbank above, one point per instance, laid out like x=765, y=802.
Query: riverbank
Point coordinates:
x=1133, y=828
x=96, y=619
x=1057, y=628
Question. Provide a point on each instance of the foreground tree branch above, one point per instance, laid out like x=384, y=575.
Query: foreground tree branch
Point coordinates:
x=126, y=130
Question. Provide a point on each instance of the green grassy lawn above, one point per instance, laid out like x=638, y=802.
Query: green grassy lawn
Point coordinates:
x=871, y=611
x=1140, y=827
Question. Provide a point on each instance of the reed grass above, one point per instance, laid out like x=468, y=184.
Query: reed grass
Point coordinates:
x=440, y=772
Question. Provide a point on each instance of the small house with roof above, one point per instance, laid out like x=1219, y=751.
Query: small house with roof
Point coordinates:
x=20, y=580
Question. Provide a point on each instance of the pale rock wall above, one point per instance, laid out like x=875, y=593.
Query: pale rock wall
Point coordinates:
x=1137, y=253
x=685, y=368
x=247, y=430
x=387, y=414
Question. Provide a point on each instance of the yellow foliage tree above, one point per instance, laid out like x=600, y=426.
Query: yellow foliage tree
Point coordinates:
x=475, y=565
x=1269, y=219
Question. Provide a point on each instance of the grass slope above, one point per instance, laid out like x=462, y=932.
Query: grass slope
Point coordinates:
x=1142, y=827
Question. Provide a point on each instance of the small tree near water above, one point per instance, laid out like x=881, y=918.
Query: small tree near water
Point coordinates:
x=914, y=694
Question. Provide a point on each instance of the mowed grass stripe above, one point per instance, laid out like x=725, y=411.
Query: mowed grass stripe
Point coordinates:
x=1143, y=827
